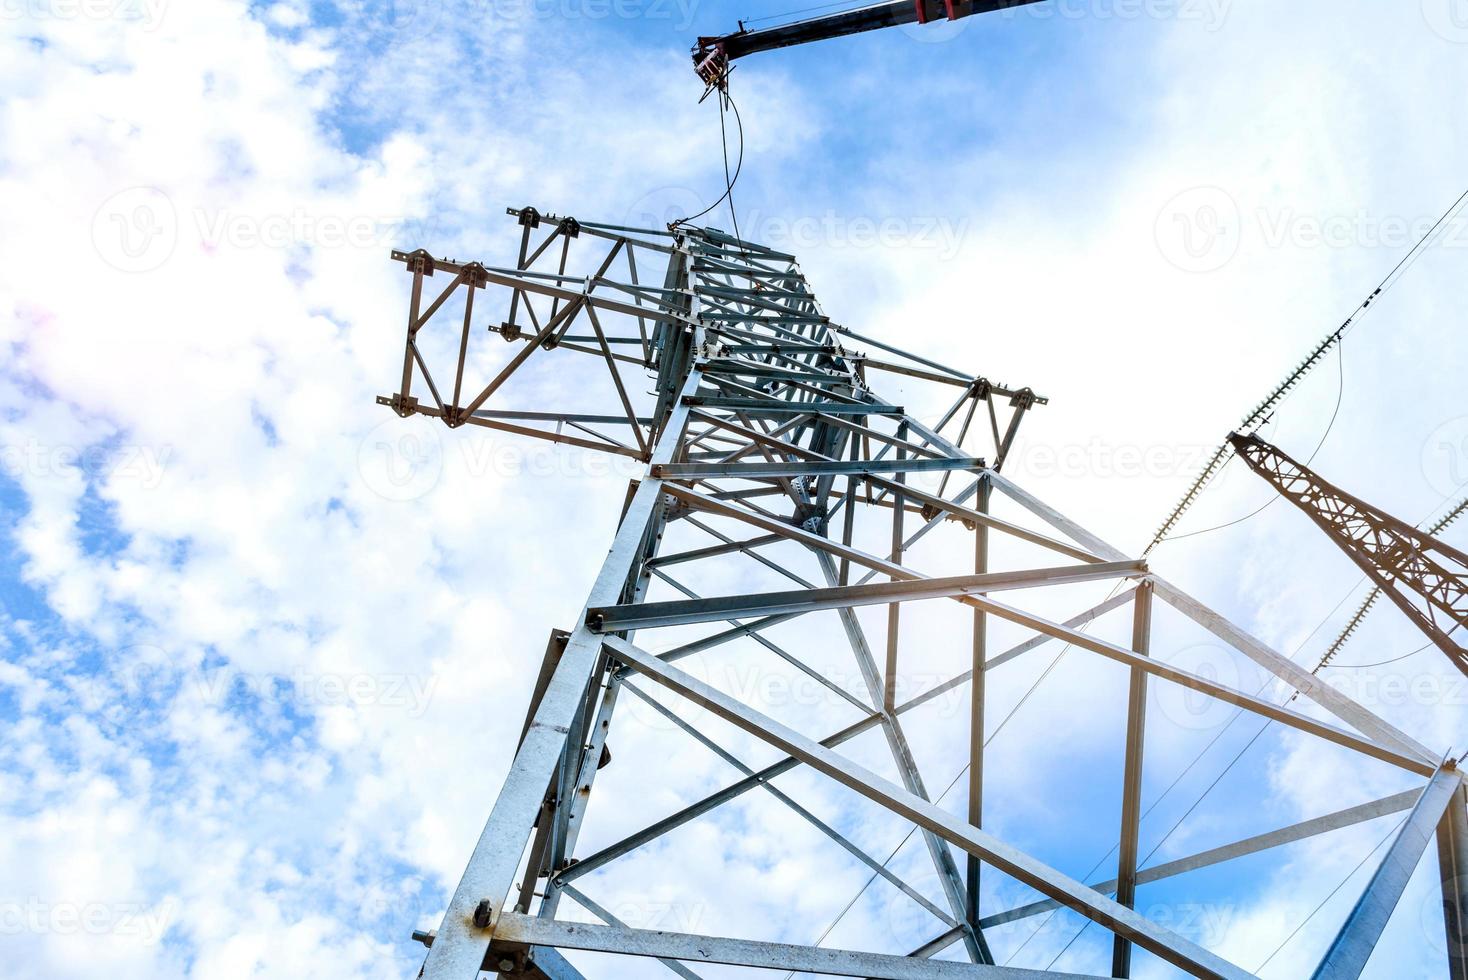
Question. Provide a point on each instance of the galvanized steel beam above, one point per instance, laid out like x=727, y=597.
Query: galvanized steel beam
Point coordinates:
x=1353, y=945
x=1168, y=945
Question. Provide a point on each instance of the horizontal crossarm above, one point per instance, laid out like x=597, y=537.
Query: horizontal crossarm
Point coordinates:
x=612, y=619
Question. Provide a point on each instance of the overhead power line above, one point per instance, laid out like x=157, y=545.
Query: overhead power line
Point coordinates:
x=1262, y=411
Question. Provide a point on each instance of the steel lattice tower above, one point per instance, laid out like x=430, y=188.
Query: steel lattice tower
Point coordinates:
x=765, y=444
x=1426, y=578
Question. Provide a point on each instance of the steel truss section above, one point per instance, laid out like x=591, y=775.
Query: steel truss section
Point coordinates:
x=765, y=451
x=1426, y=578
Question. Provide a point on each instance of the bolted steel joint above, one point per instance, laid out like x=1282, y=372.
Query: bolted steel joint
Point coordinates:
x=404, y=405
x=420, y=261
x=475, y=275
x=483, y=914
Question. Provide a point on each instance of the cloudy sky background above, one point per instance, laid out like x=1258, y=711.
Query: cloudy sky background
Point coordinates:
x=266, y=647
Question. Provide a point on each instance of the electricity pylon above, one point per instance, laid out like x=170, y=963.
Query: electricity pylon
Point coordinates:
x=782, y=502
x=1425, y=577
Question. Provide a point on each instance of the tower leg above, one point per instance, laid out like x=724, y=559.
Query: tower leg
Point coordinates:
x=976, y=707
x=1131, y=797
x=1452, y=853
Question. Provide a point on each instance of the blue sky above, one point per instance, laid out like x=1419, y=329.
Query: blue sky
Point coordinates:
x=260, y=641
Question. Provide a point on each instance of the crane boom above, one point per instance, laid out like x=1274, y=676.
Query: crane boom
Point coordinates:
x=712, y=55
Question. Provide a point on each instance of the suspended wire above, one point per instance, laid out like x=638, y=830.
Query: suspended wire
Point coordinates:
x=1442, y=522
x=888, y=860
x=1064, y=949
x=729, y=181
x=1361, y=864
x=1255, y=419
x=1264, y=408
x=1448, y=518
x=1173, y=829
x=1382, y=663
x=1334, y=414
x=992, y=735
x=1334, y=648
x=1252, y=421
x=1393, y=660
x=1180, y=777
x=1330, y=425
x=1226, y=769
x=1220, y=527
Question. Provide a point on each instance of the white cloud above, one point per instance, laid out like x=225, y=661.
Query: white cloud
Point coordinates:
x=194, y=276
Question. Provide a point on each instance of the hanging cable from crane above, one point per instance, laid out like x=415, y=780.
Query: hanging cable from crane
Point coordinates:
x=725, y=102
